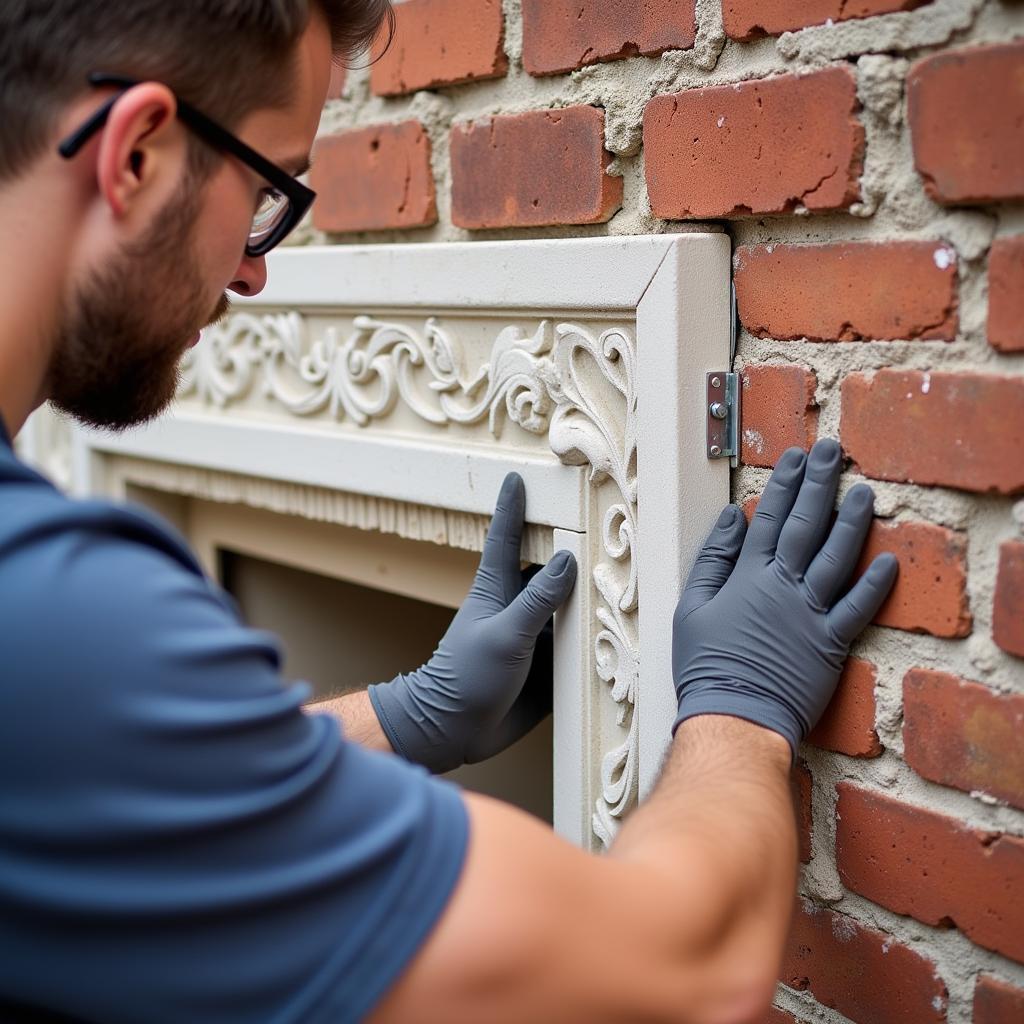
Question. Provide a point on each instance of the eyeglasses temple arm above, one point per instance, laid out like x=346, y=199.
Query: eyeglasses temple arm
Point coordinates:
x=73, y=143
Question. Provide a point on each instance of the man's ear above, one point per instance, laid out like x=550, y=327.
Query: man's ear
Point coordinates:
x=140, y=145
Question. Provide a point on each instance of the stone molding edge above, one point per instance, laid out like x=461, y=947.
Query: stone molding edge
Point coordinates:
x=464, y=531
x=535, y=381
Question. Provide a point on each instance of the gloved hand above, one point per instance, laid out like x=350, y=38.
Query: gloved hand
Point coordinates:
x=489, y=681
x=762, y=629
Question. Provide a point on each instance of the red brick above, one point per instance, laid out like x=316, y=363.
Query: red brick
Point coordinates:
x=1006, y=294
x=373, y=179
x=777, y=411
x=441, y=42
x=804, y=816
x=853, y=291
x=996, y=1002
x=757, y=147
x=932, y=867
x=562, y=35
x=962, y=734
x=337, y=84
x=930, y=593
x=861, y=972
x=961, y=430
x=965, y=109
x=747, y=19
x=1008, y=604
x=528, y=170
x=848, y=725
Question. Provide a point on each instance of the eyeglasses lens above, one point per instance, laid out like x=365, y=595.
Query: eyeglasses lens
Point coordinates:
x=272, y=211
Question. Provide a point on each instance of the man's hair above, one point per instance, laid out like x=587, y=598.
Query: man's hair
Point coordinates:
x=226, y=57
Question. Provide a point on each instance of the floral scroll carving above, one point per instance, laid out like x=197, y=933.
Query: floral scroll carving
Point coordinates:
x=564, y=380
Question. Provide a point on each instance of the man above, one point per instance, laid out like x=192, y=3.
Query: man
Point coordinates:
x=179, y=839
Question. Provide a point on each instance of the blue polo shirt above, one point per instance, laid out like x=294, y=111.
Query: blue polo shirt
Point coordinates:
x=179, y=840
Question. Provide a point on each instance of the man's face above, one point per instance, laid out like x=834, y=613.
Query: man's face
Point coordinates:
x=121, y=336
x=122, y=333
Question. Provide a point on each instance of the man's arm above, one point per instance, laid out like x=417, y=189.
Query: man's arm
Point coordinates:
x=684, y=921
x=358, y=720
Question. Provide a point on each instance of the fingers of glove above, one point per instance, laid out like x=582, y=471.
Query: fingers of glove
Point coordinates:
x=807, y=523
x=861, y=604
x=716, y=560
x=499, y=565
x=542, y=596
x=778, y=498
x=834, y=563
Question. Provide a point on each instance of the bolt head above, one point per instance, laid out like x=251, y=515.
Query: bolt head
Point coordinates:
x=716, y=382
x=715, y=450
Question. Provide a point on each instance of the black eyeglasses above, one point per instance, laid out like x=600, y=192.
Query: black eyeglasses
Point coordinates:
x=283, y=204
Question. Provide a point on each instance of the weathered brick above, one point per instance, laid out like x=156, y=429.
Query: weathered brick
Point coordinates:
x=527, y=170
x=852, y=291
x=996, y=1002
x=932, y=867
x=1006, y=294
x=757, y=147
x=441, y=42
x=965, y=109
x=804, y=817
x=962, y=734
x=562, y=35
x=863, y=973
x=848, y=725
x=336, y=87
x=930, y=593
x=374, y=179
x=1008, y=603
x=962, y=430
x=748, y=19
x=777, y=411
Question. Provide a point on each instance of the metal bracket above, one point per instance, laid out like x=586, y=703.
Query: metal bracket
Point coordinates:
x=723, y=416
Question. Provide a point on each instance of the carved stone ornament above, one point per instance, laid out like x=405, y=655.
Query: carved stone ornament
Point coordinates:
x=545, y=384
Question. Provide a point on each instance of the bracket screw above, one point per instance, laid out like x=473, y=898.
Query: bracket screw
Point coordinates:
x=715, y=451
x=716, y=382
x=719, y=410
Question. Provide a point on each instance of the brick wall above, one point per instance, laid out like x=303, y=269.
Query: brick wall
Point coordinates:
x=867, y=160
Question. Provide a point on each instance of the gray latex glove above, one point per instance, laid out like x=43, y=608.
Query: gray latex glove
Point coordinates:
x=489, y=681
x=763, y=626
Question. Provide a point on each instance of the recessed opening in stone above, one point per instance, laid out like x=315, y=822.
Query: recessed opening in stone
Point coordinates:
x=340, y=636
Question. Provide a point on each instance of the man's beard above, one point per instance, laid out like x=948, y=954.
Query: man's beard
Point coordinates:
x=120, y=340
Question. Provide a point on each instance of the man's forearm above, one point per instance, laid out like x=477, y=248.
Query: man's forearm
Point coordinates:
x=723, y=810
x=358, y=720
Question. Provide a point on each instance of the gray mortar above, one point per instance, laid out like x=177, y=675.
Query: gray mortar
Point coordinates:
x=935, y=24
x=894, y=206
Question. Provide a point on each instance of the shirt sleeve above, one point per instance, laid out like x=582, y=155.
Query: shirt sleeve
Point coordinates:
x=179, y=840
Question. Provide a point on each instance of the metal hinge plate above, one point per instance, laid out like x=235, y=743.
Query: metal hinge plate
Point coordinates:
x=723, y=416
